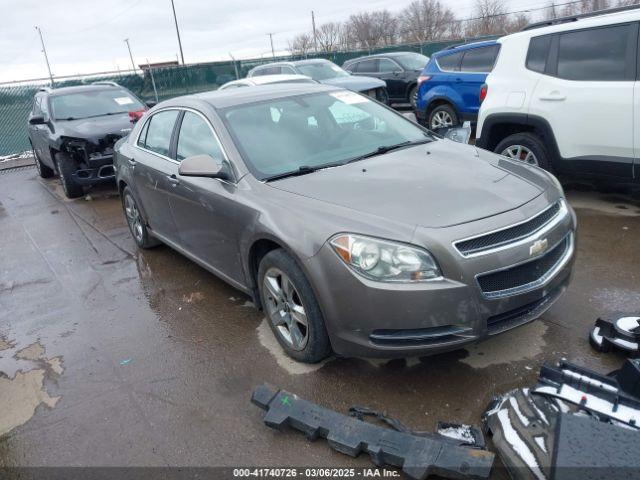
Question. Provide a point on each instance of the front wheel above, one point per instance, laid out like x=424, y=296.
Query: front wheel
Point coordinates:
x=413, y=97
x=291, y=307
x=66, y=169
x=525, y=147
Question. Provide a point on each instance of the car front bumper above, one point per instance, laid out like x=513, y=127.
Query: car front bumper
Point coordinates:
x=99, y=170
x=374, y=319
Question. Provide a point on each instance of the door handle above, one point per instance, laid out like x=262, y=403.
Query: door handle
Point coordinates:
x=173, y=180
x=131, y=161
x=553, y=97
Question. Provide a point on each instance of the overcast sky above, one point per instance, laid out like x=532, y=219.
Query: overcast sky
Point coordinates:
x=88, y=36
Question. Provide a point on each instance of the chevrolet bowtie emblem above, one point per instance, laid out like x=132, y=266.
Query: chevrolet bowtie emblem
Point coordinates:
x=538, y=247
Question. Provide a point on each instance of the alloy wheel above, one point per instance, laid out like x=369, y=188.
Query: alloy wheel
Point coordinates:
x=521, y=153
x=285, y=309
x=441, y=119
x=133, y=218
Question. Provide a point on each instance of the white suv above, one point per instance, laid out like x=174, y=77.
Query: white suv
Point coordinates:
x=566, y=97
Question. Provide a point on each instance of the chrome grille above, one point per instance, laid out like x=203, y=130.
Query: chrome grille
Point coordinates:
x=508, y=235
x=525, y=276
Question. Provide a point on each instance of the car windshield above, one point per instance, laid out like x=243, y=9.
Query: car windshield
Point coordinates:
x=93, y=103
x=308, y=132
x=321, y=70
x=412, y=61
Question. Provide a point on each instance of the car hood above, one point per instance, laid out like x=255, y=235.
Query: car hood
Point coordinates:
x=435, y=185
x=97, y=128
x=356, y=83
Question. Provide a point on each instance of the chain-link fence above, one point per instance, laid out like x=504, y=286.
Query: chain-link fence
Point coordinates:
x=161, y=83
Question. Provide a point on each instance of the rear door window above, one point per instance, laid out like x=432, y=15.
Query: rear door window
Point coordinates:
x=538, y=53
x=159, y=132
x=480, y=60
x=450, y=63
x=267, y=71
x=596, y=54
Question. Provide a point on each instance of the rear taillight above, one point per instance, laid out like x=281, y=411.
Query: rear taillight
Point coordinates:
x=423, y=78
x=136, y=115
x=483, y=92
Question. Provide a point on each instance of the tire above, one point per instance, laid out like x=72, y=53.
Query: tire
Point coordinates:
x=137, y=225
x=66, y=168
x=283, y=313
x=413, y=96
x=532, y=149
x=43, y=170
x=443, y=116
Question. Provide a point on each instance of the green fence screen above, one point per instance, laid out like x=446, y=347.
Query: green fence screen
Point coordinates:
x=16, y=97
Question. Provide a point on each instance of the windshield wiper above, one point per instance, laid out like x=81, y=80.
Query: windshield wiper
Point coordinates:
x=302, y=170
x=381, y=150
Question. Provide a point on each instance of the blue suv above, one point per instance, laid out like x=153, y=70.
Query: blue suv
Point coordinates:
x=450, y=84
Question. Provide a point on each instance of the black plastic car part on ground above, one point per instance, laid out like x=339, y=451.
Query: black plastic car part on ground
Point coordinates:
x=617, y=332
x=73, y=131
x=576, y=424
x=418, y=456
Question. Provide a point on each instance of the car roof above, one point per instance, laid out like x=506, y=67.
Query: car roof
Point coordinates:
x=577, y=23
x=241, y=96
x=83, y=88
x=266, y=79
x=383, y=55
x=465, y=46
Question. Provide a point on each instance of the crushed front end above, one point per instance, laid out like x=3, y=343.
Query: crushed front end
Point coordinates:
x=94, y=159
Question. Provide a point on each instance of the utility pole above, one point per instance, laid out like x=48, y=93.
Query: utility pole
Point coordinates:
x=46, y=59
x=133, y=64
x=175, y=19
x=315, y=37
x=273, y=52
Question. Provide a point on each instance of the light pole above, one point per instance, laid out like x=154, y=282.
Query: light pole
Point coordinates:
x=133, y=64
x=175, y=19
x=46, y=59
x=273, y=53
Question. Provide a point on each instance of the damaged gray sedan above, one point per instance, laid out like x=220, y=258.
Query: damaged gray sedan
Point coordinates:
x=356, y=230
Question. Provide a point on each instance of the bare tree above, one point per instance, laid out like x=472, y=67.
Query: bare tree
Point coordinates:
x=489, y=19
x=328, y=36
x=517, y=23
x=301, y=44
x=426, y=20
x=385, y=26
x=364, y=31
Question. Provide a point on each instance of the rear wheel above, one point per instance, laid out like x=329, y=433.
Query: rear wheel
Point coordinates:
x=43, y=170
x=443, y=116
x=525, y=147
x=66, y=169
x=136, y=223
x=291, y=307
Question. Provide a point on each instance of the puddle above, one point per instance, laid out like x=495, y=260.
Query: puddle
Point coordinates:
x=521, y=343
x=22, y=394
x=193, y=297
x=268, y=341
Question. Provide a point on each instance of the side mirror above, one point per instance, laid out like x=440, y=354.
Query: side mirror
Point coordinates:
x=151, y=103
x=37, y=120
x=459, y=134
x=204, y=166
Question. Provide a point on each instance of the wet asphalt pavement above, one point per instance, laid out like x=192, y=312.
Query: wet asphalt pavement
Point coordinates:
x=114, y=357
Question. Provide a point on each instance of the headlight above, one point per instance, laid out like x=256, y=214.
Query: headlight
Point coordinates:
x=557, y=183
x=385, y=261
